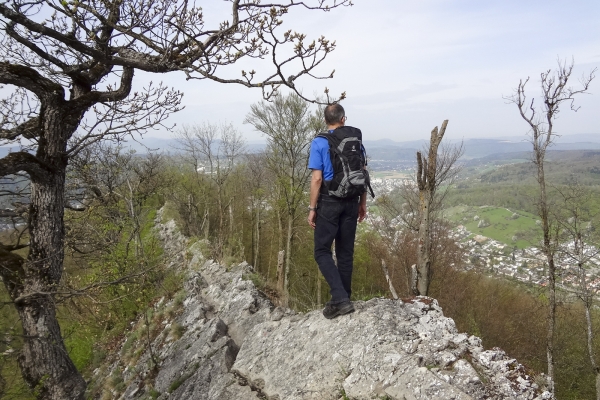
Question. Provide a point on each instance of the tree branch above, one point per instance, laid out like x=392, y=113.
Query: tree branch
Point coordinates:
x=94, y=97
x=22, y=161
x=10, y=30
x=29, y=130
x=30, y=79
x=33, y=26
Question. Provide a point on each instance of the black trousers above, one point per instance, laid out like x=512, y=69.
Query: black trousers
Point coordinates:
x=336, y=219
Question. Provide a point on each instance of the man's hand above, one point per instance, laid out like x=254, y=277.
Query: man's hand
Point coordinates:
x=362, y=207
x=362, y=211
x=312, y=218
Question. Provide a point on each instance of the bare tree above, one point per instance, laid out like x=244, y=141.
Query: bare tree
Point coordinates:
x=578, y=251
x=71, y=65
x=290, y=127
x=555, y=92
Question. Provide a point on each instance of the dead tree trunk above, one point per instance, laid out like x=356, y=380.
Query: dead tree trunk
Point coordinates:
x=426, y=181
x=288, y=257
x=555, y=91
x=414, y=279
x=280, y=272
x=388, y=280
x=257, y=240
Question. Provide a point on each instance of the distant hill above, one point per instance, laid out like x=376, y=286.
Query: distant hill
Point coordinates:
x=562, y=166
x=387, y=149
x=391, y=150
x=171, y=145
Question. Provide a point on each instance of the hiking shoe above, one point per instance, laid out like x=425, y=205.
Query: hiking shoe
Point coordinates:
x=333, y=310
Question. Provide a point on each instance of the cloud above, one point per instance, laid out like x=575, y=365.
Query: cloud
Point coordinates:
x=407, y=65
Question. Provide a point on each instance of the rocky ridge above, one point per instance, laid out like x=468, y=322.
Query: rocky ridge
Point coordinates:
x=235, y=344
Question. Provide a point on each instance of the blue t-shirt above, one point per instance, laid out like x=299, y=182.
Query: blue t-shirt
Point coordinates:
x=319, y=157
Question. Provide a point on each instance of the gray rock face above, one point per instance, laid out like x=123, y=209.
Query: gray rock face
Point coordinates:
x=237, y=345
x=386, y=349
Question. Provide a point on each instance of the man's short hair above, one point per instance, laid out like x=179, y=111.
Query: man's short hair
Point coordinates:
x=334, y=114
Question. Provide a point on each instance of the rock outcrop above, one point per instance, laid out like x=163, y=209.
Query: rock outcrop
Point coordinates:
x=235, y=344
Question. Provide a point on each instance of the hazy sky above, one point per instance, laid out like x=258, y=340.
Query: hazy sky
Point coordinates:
x=408, y=65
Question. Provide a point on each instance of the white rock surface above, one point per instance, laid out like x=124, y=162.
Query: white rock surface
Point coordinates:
x=237, y=345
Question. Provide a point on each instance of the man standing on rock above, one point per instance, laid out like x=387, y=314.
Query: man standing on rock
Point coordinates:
x=338, y=199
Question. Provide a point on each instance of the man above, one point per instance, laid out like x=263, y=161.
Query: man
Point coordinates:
x=334, y=218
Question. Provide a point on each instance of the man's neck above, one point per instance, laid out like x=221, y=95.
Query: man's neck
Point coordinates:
x=332, y=127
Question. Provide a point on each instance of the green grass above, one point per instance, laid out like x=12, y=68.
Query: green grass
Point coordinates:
x=502, y=226
x=80, y=340
x=389, y=175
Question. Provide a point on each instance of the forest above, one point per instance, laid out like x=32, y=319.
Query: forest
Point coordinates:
x=242, y=206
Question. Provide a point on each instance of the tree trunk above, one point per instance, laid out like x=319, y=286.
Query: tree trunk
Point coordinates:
x=253, y=235
x=288, y=258
x=423, y=263
x=207, y=219
x=257, y=241
x=280, y=273
x=549, y=253
x=231, y=230
x=389, y=281
x=590, y=342
x=280, y=226
x=414, y=279
x=44, y=361
x=427, y=184
x=219, y=238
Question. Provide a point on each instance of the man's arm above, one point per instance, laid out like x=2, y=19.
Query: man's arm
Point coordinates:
x=315, y=186
x=362, y=208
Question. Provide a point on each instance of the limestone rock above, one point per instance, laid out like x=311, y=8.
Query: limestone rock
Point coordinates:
x=386, y=348
x=236, y=345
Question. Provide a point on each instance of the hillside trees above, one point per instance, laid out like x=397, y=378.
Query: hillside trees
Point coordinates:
x=555, y=93
x=212, y=150
x=578, y=250
x=71, y=67
x=110, y=189
x=289, y=126
x=257, y=186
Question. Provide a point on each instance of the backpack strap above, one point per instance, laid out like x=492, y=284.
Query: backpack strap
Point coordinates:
x=370, y=189
x=324, y=189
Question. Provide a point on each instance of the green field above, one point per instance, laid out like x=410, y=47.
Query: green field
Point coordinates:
x=503, y=227
x=390, y=175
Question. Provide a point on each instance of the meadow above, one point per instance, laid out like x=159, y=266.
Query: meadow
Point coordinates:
x=503, y=225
